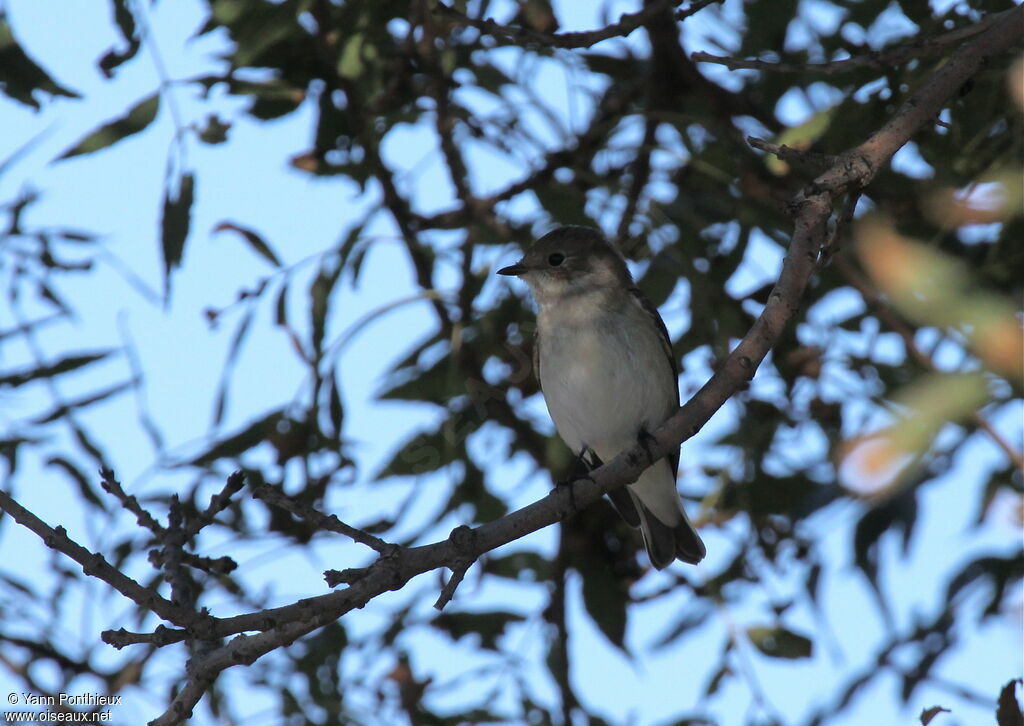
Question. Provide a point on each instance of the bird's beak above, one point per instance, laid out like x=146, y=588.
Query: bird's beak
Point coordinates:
x=514, y=270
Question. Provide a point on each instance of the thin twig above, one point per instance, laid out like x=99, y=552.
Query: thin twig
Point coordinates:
x=921, y=47
x=319, y=520
x=218, y=503
x=801, y=157
x=113, y=487
x=94, y=565
x=626, y=24
x=160, y=637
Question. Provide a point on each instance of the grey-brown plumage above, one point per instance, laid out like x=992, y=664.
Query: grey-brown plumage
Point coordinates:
x=604, y=361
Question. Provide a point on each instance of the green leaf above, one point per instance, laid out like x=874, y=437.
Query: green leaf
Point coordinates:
x=564, y=202
x=1003, y=576
x=715, y=682
x=350, y=65
x=1008, y=710
x=425, y=452
x=778, y=642
x=84, y=401
x=138, y=118
x=523, y=566
x=214, y=131
x=437, y=383
x=489, y=626
x=64, y=365
x=320, y=294
x=281, y=305
x=606, y=597
x=691, y=618
x=473, y=491
x=257, y=243
x=125, y=21
x=929, y=713
x=174, y=224
x=234, y=349
x=20, y=76
x=82, y=482
x=233, y=446
x=800, y=137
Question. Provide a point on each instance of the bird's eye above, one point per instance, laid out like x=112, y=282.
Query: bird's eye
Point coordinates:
x=555, y=259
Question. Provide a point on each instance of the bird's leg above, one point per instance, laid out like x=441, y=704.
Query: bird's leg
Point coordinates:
x=586, y=461
x=587, y=458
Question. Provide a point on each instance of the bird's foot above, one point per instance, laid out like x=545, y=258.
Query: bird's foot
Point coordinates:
x=570, y=483
x=646, y=440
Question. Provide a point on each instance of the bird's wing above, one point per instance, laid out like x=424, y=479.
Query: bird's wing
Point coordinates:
x=666, y=344
x=536, y=360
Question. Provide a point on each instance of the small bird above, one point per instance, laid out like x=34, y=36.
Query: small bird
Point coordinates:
x=604, y=361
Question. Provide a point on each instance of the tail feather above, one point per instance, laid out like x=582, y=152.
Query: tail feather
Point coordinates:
x=666, y=543
x=625, y=504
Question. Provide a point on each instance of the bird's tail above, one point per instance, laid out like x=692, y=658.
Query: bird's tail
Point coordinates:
x=668, y=534
x=666, y=543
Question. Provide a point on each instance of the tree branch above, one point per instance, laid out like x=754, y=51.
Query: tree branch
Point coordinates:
x=94, y=565
x=811, y=208
x=319, y=520
x=626, y=24
x=920, y=47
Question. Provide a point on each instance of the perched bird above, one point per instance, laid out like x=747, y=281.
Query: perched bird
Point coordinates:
x=605, y=365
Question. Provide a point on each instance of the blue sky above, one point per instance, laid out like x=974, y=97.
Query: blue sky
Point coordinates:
x=117, y=193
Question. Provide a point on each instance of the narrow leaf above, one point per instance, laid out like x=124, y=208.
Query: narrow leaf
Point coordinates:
x=138, y=117
x=929, y=713
x=174, y=224
x=64, y=409
x=233, y=446
x=85, y=487
x=780, y=642
x=64, y=365
x=125, y=21
x=1008, y=711
x=320, y=294
x=20, y=76
x=257, y=243
x=488, y=625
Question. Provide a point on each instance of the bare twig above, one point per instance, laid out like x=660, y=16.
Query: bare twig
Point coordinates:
x=461, y=539
x=94, y=565
x=794, y=156
x=160, y=637
x=319, y=520
x=218, y=503
x=113, y=487
x=626, y=24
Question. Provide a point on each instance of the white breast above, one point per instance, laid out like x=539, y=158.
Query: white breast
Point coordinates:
x=604, y=374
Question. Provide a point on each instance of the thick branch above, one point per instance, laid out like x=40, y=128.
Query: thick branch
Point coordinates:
x=862, y=163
